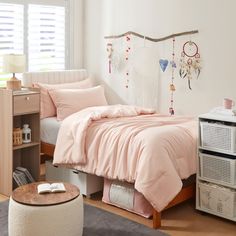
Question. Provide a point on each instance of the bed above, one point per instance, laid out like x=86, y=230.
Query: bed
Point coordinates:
x=49, y=135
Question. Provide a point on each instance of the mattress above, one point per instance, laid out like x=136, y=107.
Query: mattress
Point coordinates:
x=49, y=128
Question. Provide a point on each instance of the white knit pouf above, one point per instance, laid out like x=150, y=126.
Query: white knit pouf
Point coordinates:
x=64, y=219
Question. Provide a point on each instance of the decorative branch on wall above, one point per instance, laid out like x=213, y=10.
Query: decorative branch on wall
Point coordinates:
x=189, y=62
x=149, y=38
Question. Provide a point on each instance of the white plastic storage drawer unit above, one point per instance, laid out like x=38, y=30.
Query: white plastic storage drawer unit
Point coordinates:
x=217, y=199
x=217, y=169
x=218, y=137
x=87, y=183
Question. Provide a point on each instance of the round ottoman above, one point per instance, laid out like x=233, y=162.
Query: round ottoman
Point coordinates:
x=59, y=219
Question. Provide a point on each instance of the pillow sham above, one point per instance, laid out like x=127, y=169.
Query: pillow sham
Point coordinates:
x=69, y=101
x=47, y=108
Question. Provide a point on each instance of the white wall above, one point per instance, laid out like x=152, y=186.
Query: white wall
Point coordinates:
x=156, y=18
x=76, y=39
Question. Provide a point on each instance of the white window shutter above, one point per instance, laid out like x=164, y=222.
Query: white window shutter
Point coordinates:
x=46, y=37
x=11, y=32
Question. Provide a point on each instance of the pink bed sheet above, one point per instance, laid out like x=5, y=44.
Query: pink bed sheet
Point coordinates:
x=131, y=144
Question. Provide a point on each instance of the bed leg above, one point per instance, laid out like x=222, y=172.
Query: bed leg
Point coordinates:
x=156, y=219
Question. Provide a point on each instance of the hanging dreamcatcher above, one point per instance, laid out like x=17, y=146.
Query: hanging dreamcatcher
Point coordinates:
x=190, y=62
x=109, y=55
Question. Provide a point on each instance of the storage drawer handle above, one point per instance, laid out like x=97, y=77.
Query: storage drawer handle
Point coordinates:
x=76, y=172
x=27, y=98
x=55, y=166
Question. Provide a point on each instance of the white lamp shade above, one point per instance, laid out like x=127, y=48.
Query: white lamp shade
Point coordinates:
x=13, y=63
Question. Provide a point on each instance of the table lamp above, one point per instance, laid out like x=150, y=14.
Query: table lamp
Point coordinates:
x=13, y=63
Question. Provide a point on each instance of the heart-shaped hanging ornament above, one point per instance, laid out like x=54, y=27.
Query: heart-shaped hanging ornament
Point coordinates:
x=163, y=64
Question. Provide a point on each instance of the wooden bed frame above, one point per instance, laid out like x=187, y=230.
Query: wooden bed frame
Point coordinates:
x=47, y=149
x=185, y=194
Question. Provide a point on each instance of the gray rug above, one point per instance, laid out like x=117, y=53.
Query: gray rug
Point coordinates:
x=97, y=222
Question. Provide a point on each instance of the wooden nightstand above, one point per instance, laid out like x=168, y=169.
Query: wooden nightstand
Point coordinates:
x=18, y=108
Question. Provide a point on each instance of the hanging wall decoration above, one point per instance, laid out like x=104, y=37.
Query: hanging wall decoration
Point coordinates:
x=109, y=54
x=163, y=64
x=190, y=62
x=127, y=52
x=172, y=86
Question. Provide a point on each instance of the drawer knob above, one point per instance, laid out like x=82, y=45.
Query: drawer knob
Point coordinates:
x=27, y=98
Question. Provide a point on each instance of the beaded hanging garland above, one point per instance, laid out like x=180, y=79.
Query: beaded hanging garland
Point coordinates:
x=109, y=54
x=172, y=86
x=190, y=62
x=127, y=51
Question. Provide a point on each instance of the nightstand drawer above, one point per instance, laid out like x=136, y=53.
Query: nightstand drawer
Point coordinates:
x=25, y=104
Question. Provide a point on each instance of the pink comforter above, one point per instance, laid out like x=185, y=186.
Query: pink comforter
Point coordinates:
x=132, y=144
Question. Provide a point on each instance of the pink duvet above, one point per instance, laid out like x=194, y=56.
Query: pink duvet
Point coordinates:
x=132, y=144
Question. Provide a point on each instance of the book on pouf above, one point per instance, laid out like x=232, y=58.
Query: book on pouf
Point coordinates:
x=51, y=188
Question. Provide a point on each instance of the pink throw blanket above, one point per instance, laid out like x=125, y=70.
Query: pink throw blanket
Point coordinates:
x=132, y=144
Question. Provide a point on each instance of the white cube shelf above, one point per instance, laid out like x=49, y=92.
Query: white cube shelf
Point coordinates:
x=216, y=175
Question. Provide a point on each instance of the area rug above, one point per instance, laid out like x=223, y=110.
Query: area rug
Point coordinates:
x=97, y=222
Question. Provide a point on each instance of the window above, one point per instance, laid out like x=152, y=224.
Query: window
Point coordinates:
x=37, y=30
x=46, y=37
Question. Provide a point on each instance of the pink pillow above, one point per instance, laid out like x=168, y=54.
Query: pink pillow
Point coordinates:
x=47, y=108
x=69, y=101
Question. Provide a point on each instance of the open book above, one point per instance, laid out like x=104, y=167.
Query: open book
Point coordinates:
x=51, y=188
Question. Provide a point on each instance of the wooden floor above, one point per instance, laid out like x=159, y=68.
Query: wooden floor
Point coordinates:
x=3, y=198
x=181, y=220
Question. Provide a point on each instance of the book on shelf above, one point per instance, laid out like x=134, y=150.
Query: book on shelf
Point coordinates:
x=29, y=177
x=22, y=176
x=51, y=188
x=19, y=178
